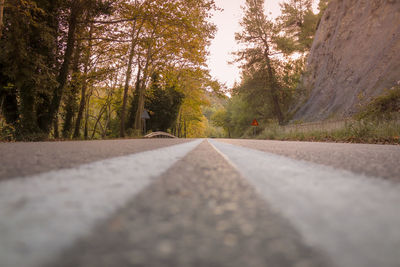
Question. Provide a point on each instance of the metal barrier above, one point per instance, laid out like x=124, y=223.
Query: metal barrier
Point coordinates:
x=329, y=125
x=159, y=135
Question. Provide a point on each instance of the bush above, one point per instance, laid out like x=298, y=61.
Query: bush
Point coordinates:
x=383, y=107
x=364, y=131
x=7, y=132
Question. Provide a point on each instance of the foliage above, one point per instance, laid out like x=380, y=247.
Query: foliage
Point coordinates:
x=272, y=62
x=90, y=68
x=86, y=63
x=163, y=105
x=270, y=72
x=322, y=5
x=216, y=103
x=7, y=131
x=364, y=131
x=296, y=26
x=383, y=107
x=26, y=76
x=236, y=117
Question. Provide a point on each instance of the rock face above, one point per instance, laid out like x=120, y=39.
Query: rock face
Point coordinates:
x=355, y=56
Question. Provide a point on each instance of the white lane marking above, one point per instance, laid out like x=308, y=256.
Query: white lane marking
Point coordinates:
x=43, y=214
x=353, y=218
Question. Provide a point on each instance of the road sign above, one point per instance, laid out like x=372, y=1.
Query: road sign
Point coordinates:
x=254, y=123
x=145, y=115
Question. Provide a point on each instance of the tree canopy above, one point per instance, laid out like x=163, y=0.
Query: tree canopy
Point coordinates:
x=84, y=67
x=90, y=68
x=272, y=59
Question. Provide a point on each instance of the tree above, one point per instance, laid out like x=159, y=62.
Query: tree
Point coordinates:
x=84, y=82
x=138, y=18
x=77, y=9
x=61, y=57
x=163, y=103
x=258, y=34
x=75, y=12
x=296, y=26
x=27, y=62
x=71, y=91
x=221, y=118
x=178, y=32
x=38, y=42
x=78, y=79
x=322, y=5
x=2, y=3
x=239, y=115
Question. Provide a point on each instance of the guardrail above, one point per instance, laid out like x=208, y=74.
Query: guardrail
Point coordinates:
x=312, y=126
x=159, y=135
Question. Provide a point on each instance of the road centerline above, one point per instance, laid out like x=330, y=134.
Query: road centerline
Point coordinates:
x=201, y=212
x=27, y=159
x=42, y=214
x=368, y=159
x=354, y=218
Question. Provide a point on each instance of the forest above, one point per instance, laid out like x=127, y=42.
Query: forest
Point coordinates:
x=272, y=63
x=93, y=69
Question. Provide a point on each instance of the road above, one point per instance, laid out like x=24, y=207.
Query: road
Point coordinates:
x=200, y=202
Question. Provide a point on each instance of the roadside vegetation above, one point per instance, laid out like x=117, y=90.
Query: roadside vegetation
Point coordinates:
x=88, y=69
x=377, y=122
x=91, y=69
x=272, y=63
x=374, y=132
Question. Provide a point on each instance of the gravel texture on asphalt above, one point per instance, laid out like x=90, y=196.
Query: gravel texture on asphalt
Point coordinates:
x=369, y=159
x=201, y=212
x=352, y=217
x=22, y=159
x=43, y=214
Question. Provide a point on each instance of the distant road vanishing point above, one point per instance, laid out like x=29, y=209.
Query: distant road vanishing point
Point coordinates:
x=199, y=202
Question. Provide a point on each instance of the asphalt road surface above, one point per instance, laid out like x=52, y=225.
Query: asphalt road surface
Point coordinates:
x=182, y=202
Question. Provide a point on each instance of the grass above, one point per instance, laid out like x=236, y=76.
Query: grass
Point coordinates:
x=363, y=131
x=6, y=132
x=378, y=122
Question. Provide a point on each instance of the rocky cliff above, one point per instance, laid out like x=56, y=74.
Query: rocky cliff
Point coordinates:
x=354, y=57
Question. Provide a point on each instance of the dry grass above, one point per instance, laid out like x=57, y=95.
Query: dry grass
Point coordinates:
x=364, y=131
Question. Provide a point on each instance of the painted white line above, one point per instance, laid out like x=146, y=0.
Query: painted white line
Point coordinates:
x=43, y=214
x=353, y=218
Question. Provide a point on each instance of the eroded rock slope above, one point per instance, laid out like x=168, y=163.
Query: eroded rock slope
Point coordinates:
x=355, y=56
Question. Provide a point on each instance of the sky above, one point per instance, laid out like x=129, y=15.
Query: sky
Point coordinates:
x=224, y=43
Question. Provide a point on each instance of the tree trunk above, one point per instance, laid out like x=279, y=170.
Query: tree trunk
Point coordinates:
x=107, y=122
x=103, y=109
x=86, y=130
x=135, y=100
x=70, y=105
x=273, y=88
x=1, y=16
x=139, y=112
x=9, y=106
x=127, y=80
x=27, y=109
x=84, y=87
x=140, y=107
x=135, y=38
x=63, y=74
x=55, y=126
x=185, y=128
x=179, y=124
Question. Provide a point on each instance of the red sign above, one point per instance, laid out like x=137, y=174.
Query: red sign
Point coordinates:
x=254, y=123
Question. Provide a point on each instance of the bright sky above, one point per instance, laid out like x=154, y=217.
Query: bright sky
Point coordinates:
x=224, y=43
